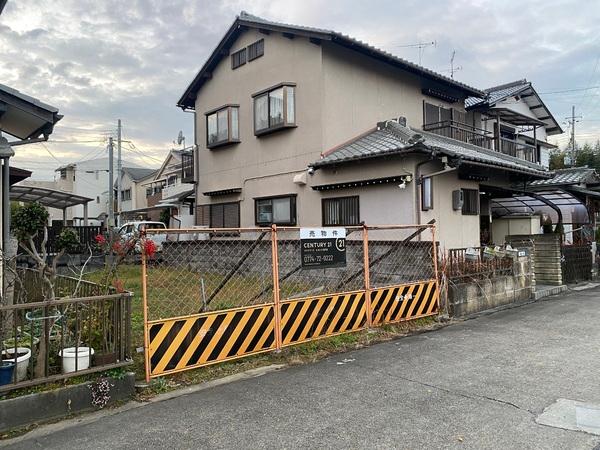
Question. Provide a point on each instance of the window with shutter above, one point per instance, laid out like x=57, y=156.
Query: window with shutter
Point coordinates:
x=238, y=59
x=219, y=215
x=256, y=50
x=470, y=202
x=340, y=211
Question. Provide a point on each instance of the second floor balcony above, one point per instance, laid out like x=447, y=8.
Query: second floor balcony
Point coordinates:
x=461, y=132
x=483, y=138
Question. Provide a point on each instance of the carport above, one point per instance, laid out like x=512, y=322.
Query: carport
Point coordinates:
x=50, y=198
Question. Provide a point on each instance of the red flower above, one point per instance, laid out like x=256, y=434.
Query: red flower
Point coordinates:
x=100, y=240
x=149, y=248
x=117, y=247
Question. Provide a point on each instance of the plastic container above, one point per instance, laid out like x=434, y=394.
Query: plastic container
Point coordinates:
x=23, y=355
x=70, y=354
x=6, y=372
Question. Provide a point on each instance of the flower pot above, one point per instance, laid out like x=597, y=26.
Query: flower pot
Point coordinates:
x=6, y=372
x=71, y=354
x=22, y=360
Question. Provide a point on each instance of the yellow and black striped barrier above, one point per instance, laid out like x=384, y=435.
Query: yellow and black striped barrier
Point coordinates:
x=201, y=339
x=183, y=343
x=404, y=302
x=315, y=317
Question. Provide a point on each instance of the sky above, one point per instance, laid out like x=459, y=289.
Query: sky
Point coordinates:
x=99, y=61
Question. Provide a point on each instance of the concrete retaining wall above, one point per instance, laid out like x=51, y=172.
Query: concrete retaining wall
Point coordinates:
x=479, y=295
x=25, y=410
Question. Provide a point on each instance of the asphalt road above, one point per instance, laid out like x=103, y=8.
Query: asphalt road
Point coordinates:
x=473, y=385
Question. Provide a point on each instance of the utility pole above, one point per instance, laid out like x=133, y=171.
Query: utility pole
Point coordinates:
x=111, y=191
x=572, y=120
x=119, y=169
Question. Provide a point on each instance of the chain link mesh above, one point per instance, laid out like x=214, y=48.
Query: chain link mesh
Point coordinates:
x=208, y=270
x=399, y=255
x=298, y=282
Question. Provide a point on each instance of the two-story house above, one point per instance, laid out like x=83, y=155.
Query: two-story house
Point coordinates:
x=132, y=194
x=172, y=188
x=515, y=121
x=292, y=127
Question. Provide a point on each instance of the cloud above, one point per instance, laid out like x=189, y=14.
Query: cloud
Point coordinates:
x=100, y=61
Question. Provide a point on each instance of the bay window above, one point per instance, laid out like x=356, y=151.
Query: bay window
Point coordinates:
x=222, y=126
x=274, y=109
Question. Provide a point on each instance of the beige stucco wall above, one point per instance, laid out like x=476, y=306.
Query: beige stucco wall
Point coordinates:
x=360, y=91
x=454, y=230
x=292, y=60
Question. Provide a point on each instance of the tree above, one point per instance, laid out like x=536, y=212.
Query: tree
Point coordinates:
x=557, y=159
x=27, y=222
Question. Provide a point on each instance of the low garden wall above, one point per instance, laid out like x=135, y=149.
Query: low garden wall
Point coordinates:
x=470, y=296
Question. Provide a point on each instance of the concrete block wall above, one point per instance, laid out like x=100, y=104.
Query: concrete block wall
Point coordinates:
x=479, y=295
x=546, y=254
x=392, y=262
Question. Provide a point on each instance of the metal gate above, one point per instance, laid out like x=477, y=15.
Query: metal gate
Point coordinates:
x=213, y=295
x=576, y=262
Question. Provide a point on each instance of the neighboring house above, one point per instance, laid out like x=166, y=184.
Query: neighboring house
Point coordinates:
x=133, y=193
x=171, y=188
x=87, y=179
x=514, y=120
x=292, y=128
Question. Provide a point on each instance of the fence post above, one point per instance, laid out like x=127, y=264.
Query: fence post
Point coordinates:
x=145, y=311
x=276, y=300
x=435, y=265
x=367, y=274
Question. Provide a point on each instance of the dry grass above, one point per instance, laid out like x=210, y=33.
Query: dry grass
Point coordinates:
x=298, y=354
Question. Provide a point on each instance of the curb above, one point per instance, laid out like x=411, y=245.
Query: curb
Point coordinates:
x=45, y=406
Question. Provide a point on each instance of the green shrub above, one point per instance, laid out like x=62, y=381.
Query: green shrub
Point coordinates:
x=29, y=220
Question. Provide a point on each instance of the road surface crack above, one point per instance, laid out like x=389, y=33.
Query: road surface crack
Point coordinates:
x=458, y=393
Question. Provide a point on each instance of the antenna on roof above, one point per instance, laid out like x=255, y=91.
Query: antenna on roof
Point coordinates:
x=420, y=46
x=180, y=139
x=452, y=68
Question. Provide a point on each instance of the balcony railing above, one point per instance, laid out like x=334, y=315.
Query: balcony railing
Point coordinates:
x=482, y=138
x=518, y=149
x=461, y=132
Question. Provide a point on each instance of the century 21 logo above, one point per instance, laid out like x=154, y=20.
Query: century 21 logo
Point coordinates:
x=340, y=244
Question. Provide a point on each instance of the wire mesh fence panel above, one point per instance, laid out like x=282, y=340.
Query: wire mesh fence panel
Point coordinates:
x=400, y=255
x=296, y=281
x=197, y=271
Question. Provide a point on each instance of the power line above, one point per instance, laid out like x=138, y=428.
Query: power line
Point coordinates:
x=50, y=153
x=569, y=90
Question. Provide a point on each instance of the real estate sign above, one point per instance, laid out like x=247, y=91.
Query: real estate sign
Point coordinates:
x=321, y=248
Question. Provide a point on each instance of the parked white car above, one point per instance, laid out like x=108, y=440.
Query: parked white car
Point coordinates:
x=132, y=230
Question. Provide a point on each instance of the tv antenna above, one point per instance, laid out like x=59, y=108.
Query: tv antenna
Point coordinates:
x=452, y=68
x=421, y=46
x=180, y=139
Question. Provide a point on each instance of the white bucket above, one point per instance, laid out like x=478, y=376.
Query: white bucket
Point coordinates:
x=82, y=354
x=22, y=361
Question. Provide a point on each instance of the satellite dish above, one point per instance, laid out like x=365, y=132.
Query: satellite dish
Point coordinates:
x=180, y=137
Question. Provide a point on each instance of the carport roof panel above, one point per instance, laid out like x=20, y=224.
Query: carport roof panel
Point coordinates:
x=47, y=197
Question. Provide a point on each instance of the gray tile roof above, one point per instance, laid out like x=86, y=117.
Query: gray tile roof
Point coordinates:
x=137, y=173
x=498, y=93
x=576, y=175
x=391, y=138
x=249, y=20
